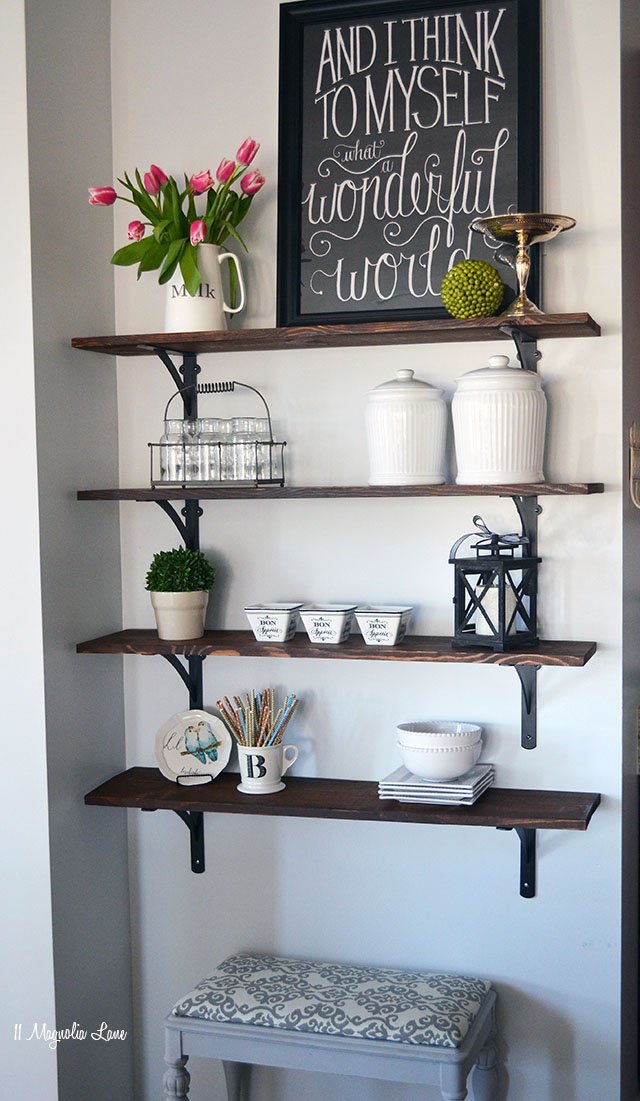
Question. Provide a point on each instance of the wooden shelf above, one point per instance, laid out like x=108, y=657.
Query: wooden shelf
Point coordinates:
x=357, y=800
x=413, y=648
x=256, y=493
x=437, y=331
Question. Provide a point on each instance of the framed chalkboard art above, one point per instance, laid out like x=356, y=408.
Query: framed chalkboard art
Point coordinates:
x=400, y=122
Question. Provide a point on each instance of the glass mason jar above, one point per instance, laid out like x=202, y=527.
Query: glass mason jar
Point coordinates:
x=243, y=452
x=263, y=449
x=172, y=452
x=209, y=452
x=191, y=450
x=225, y=448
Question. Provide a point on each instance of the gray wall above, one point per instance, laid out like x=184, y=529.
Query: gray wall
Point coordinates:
x=630, y=43
x=68, y=81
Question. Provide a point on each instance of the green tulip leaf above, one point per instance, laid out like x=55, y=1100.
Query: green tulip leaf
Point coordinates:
x=234, y=233
x=171, y=260
x=243, y=207
x=160, y=229
x=153, y=257
x=189, y=269
x=133, y=253
x=233, y=285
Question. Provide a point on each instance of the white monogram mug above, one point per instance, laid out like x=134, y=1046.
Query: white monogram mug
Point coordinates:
x=262, y=767
x=206, y=310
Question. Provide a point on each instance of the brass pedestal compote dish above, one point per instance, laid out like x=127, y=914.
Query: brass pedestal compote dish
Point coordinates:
x=521, y=230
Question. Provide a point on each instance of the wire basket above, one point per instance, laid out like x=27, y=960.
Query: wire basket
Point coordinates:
x=188, y=462
x=250, y=462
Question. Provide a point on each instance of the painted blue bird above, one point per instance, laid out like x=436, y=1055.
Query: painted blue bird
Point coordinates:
x=201, y=742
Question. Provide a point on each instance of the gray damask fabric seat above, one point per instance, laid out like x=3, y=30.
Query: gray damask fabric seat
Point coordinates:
x=405, y=1007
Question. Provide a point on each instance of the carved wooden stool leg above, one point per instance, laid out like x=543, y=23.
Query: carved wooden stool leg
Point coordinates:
x=176, y=1079
x=237, y=1076
x=453, y=1082
x=484, y=1077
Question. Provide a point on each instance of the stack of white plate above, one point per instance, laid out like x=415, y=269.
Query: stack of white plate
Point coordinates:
x=403, y=786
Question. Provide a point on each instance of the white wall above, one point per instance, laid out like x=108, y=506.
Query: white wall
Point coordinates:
x=26, y=955
x=425, y=896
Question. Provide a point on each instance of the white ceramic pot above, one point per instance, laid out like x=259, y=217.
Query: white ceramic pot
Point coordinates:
x=328, y=623
x=180, y=615
x=499, y=420
x=383, y=624
x=207, y=310
x=406, y=423
x=273, y=622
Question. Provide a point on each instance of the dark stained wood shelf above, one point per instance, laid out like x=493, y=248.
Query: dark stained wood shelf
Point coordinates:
x=437, y=331
x=413, y=648
x=255, y=493
x=357, y=800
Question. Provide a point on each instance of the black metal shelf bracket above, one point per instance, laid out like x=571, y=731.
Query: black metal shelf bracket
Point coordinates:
x=528, y=510
x=528, y=676
x=191, y=676
x=189, y=528
x=527, y=839
x=194, y=821
x=526, y=346
x=184, y=377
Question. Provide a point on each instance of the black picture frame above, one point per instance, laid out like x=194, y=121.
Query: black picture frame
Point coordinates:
x=408, y=58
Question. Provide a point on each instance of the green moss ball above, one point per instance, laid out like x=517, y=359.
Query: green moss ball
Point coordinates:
x=472, y=288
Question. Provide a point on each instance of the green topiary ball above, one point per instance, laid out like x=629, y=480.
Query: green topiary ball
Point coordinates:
x=472, y=288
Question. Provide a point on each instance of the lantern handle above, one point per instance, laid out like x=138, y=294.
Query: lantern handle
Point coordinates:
x=514, y=538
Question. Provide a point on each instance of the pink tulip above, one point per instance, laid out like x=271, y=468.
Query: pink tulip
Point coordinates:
x=201, y=182
x=197, y=232
x=159, y=176
x=102, y=196
x=247, y=151
x=135, y=231
x=151, y=184
x=252, y=182
x=225, y=170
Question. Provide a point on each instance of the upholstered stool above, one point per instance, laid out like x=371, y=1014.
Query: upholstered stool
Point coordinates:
x=374, y=1022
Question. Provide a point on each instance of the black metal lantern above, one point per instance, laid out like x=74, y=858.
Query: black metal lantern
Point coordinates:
x=495, y=591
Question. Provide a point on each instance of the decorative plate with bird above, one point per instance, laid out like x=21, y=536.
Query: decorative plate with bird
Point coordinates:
x=192, y=747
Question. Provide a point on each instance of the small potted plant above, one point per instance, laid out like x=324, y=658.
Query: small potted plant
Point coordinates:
x=179, y=582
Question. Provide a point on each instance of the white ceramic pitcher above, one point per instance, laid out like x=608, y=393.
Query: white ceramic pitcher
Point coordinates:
x=207, y=310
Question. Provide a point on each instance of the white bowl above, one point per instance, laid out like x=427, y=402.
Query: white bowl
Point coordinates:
x=329, y=623
x=383, y=624
x=437, y=733
x=438, y=763
x=273, y=622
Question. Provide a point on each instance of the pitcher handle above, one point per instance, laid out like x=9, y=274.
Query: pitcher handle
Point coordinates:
x=243, y=297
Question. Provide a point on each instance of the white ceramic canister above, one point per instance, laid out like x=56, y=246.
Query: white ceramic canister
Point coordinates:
x=406, y=432
x=499, y=420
